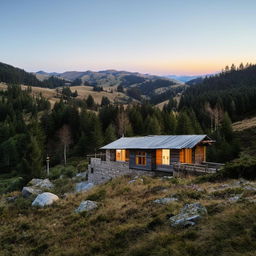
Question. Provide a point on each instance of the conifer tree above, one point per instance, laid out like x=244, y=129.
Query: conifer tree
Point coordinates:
x=226, y=128
x=184, y=125
x=152, y=126
x=110, y=134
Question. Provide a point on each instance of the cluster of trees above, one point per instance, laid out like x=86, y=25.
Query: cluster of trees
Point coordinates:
x=218, y=100
x=232, y=91
x=12, y=75
x=21, y=137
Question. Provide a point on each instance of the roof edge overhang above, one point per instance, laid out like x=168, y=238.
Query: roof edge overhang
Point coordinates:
x=206, y=140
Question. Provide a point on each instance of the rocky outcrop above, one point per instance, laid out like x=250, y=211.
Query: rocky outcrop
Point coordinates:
x=189, y=215
x=36, y=187
x=29, y=191
x=165, y=200
x=83, y=186
x=86, y=206
x=41, y=183
x=45, y=199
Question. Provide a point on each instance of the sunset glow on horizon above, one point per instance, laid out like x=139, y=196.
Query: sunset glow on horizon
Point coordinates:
x=156, y=37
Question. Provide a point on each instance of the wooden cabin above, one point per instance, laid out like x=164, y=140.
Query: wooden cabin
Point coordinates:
x=158, y=152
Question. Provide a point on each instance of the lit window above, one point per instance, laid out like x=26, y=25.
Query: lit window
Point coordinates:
x=166, y=156
x=121, y=155
x=141, y=158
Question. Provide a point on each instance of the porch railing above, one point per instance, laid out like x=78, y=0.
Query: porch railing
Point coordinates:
x=100, y=155
x=205, y=167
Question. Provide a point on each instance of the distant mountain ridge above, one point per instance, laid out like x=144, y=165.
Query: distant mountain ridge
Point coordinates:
x=135, y=85
x=186, y=78
x=107, y=77
x=152, y=88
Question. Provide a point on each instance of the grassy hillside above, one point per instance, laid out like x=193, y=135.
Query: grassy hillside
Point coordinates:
x=245, y=133
x=127, y=222
x=83, y=92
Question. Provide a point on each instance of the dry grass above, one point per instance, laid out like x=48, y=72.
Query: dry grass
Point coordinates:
x=83, y=92
x=244, y=124
x=127, y=222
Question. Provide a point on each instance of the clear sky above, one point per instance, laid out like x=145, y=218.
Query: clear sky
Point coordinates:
x=150, y=36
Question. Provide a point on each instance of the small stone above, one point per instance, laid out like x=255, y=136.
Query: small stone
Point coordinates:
x=234, y=199
x=165, y=200
x=86, y=206
x=11, y=198
x=131, y=181
x=167, y=177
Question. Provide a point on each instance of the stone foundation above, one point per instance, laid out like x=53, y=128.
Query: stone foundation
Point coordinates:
x=102, y=171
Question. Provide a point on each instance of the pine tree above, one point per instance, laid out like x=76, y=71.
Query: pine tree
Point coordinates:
x=110, y=134
x=169, y=122
x=90, y=102
x=226, y=128
x=184, y=125
x=152, y=126
x=32, y=162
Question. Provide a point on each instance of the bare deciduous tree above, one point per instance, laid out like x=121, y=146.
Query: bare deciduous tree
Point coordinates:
x=66, y=139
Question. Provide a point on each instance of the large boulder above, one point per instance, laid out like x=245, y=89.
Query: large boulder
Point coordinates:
x=45, y=199
x=83, y=186
x=189, y=215
x=41, y=183
x=28, y=191
x=165, y=200
x=86, y=206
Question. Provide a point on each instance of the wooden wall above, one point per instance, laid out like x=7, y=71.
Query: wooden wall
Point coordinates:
x=158, y=156
x=200, y=154
x=150, y=160
x=186, y=155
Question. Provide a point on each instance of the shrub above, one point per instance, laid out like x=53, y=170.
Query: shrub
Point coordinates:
x=62, y=186
x=97, y=196
x=15, y=184
x=68, y=171
x=243, y=167
x=82, y=166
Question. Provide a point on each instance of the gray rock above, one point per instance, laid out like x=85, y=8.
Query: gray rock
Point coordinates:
x=86, y=206
x=131, y=181
x=82, y=175
x=45, y=199
x=234, y=199
x=165, y=200
x=41, y=183
x=250, y=188
x=28, y=191
x=83, y=186
x=189, y=215
x=11, y=198
x=167, y=177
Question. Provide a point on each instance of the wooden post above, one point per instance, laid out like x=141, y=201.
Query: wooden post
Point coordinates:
x=47, y=165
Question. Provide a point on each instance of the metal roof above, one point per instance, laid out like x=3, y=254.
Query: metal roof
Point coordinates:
x=156, y=142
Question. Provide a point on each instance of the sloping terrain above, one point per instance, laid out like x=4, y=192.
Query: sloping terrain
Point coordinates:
x=83, y=92
x=244, y=124
x=128, y=221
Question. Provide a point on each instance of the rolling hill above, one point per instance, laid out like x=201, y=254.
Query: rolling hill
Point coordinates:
x=122, y=84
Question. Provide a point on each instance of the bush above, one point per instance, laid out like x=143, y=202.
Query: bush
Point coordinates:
x=97, y=196
x=243, y=167
x=68, y=171
x=12, y=184
x=82, y=166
